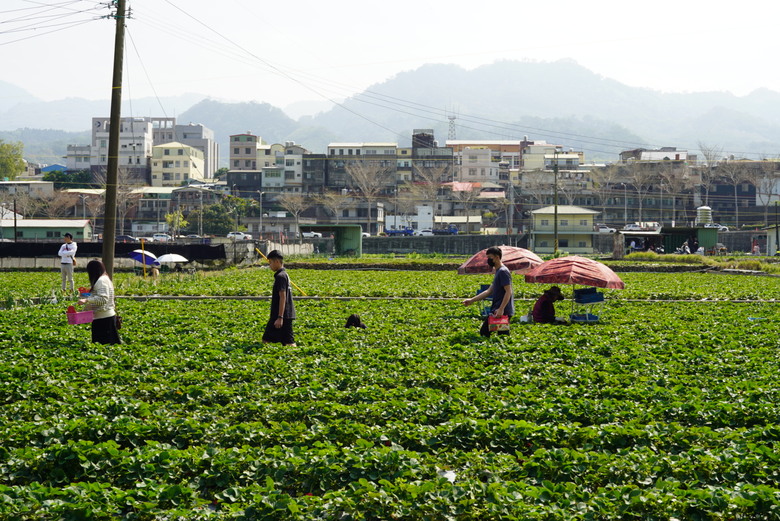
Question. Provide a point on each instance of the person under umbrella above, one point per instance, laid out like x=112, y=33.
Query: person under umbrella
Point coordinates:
x=544, y=308
x=501, y=289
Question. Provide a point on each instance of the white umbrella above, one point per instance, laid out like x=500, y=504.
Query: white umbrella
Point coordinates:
x=170, y=258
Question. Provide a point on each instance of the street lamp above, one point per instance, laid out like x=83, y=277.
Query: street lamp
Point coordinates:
x=260, y=226
x=83, y=206
x=200, y=214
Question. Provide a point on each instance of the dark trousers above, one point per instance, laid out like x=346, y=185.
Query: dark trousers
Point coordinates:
x=104, y=331
x=485, y=330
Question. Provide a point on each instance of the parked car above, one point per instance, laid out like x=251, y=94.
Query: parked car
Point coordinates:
x=146, y=239
x=312, y=235
x=366, y=234
x=193, y=236
x=633, y=227
x=720, y=227
x=424, y=233
x=162, y=237
x=239, y=236
x=126, y=238
x=603, y=228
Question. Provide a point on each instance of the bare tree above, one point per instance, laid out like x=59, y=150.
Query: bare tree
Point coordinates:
x=733, y=171
x=712, y=155
x=603, y=180
x=535, y=185
x=429, y=181
x=677, y=181
x=58, y=204
x=334, y=202
x=26, y=205
x=95, y=204
x=125, y=198
x=296, y=204
x=764, y=178
x=641, y=177
x=466, y=198
x=405, y=203
x=370, y=177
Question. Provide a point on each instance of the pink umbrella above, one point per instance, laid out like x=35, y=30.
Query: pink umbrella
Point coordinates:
x=516, y=259
x=575, y=270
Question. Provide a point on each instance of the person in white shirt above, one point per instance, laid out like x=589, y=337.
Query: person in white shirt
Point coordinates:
x=101, y=302
x=67, y=255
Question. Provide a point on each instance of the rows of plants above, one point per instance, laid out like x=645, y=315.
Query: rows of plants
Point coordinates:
x=397, y=283
x=664, y=410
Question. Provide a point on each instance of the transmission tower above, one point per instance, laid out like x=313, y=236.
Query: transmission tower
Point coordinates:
x=451, y=134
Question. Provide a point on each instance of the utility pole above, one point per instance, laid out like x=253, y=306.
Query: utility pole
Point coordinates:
x=777, y=230
x=555, y=199
x=112, y=175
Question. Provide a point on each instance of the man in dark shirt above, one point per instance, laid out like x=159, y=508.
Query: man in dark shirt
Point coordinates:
x=280, y=324
x=544, y=308
x=501, y=289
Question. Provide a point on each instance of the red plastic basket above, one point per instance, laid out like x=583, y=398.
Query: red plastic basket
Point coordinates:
x=81, y=317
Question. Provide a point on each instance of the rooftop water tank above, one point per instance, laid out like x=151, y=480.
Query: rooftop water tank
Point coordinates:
x=703, y=215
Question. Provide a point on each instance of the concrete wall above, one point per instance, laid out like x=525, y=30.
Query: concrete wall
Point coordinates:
x=443, y=244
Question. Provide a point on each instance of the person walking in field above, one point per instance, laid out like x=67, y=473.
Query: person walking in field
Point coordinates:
x=101, y=301
x=279, y=328
x=67, y=255
x=501, y=289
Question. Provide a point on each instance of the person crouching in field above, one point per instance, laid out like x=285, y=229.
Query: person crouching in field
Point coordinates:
x=279, y=328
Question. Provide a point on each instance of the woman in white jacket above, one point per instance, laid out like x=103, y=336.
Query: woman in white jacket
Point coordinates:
x=67, y=255
x=101, y=301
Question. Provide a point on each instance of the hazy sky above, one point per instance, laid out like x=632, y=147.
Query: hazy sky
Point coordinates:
x=281, y=52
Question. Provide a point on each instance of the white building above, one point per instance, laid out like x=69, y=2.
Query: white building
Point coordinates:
x=135, y=145
x=476, y=165
x=201, y=138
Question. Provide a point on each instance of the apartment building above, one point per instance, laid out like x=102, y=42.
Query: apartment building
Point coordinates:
x=176, y=164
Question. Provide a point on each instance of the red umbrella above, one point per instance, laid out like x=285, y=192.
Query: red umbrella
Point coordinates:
x=575, y=270
x=516, y=259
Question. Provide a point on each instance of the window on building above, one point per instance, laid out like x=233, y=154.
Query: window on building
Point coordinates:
x=345, y=213
x=564, y=222
x=472, y=171
x=235, y=151
x=563, y=243
x=180, y=152
x=545, y=222
x=289, y=162
x=235, y=163
x=167, y=152
x=582, y=244
x=178, y=164
x=248, y=162
x=583, y=222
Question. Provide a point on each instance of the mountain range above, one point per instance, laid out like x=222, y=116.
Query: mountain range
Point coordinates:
x=560, y=102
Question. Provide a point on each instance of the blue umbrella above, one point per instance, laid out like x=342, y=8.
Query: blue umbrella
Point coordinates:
x=143, y=257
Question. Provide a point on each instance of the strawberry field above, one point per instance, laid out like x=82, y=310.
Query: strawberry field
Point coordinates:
x=668, y=409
